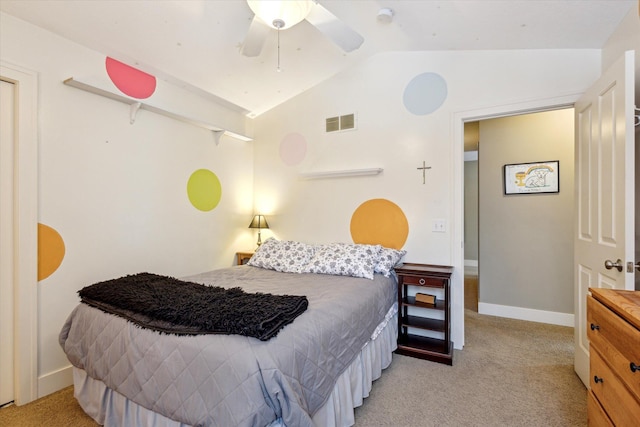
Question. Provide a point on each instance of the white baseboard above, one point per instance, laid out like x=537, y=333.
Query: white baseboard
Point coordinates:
x=470, y=262
x=471, y=156
x=532, y=315
x=54, y=381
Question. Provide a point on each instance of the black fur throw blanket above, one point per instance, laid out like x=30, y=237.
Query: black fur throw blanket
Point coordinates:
x=173, y=306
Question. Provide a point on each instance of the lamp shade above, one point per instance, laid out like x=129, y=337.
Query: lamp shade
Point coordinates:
x=290, y=12
x=259, y=221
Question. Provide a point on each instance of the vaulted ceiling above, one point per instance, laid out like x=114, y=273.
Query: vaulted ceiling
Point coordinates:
x=196, y=43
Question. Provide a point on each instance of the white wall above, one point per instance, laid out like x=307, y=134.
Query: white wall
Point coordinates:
x=625, y=37
x=389, y=136
x=116, y=192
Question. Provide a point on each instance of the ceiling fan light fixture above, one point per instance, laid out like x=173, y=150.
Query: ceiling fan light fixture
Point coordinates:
x=286, y=13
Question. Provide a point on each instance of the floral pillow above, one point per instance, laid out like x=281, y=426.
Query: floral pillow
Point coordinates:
x=344, y=259
x=387, y=259
x=285, y=256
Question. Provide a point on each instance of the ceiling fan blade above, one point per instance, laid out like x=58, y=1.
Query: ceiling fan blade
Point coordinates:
x=334, y=29
x=255, y=38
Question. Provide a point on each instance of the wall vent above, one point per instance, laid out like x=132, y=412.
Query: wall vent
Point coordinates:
x=346, y=122
x=333, y=124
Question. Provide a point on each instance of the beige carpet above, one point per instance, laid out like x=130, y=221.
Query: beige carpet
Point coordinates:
x=511, y=373
x=55, y=410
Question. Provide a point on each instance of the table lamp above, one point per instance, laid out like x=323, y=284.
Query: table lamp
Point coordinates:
x=259, y=222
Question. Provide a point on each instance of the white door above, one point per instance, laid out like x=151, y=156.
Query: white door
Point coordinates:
x=605, y=193
x=7, y=92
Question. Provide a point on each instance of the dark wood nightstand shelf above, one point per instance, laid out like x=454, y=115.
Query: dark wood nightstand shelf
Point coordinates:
x=425, y=317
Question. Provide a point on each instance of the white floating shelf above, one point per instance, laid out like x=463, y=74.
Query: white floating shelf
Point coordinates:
x=341, y=173
x=136, y=105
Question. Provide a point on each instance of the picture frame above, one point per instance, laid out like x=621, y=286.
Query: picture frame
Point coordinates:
x=532, y=178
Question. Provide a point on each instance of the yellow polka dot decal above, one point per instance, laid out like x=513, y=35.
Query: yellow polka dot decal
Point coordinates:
x=50, y=251
x=204, y=190
x=379, y=221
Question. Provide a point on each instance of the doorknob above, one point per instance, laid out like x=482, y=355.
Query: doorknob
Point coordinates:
x=608, y=264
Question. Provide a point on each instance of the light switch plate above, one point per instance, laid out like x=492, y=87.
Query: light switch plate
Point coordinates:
x=439, y=226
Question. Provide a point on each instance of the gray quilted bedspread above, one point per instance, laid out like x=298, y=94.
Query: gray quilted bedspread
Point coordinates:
x=233, y=380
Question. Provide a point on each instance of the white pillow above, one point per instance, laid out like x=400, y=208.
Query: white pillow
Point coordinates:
x=388, y=259
x=344, y=259
x=285, y=256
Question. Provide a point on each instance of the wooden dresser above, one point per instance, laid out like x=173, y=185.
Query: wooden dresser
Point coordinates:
x=613, y=321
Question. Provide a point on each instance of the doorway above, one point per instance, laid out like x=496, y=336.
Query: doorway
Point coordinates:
x=518, y=248
x=457, y=153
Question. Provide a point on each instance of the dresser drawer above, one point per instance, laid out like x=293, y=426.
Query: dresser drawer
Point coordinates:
x=432, y=282
x=623, y=408
x=596, y=417
x=617, y=341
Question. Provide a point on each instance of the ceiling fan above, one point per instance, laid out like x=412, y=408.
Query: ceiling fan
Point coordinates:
x=280, y=15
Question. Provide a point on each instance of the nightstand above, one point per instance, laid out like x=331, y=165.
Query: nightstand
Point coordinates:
x=243, y=257
x=434, y=320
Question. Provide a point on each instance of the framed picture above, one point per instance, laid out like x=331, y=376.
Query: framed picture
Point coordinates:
x=532, y=178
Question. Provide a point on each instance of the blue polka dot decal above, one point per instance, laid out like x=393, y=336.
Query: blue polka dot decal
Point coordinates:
x=425, y=93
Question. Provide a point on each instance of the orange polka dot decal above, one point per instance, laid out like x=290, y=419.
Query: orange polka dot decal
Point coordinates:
x=379, y=221
x=130, y=81
x=50, y=251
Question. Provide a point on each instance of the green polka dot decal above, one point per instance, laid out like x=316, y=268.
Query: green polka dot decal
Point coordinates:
x=204, y=190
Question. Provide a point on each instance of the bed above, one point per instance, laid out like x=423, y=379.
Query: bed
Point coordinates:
x=314, y=372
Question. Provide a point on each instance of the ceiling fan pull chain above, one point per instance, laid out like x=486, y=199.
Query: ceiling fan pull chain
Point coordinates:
x=278, y=24
x=278, y=69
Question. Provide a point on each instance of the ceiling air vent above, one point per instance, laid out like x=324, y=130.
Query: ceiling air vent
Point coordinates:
x=346, y=122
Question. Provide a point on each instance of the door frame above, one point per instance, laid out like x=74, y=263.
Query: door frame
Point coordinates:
x=457, y=182
x=25, y=231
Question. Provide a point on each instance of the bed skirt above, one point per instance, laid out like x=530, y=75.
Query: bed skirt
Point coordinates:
x=110, y=408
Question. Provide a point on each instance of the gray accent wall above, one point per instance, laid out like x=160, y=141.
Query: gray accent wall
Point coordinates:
x=471, y=210
x=526, y=241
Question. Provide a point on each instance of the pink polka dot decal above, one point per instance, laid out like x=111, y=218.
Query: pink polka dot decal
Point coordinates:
x=130, y=81
x=293, y=149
